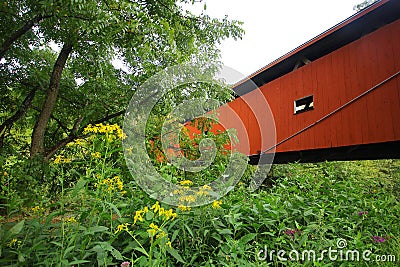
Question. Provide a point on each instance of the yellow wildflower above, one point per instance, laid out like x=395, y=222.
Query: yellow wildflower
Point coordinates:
x=138, y=216
x=37, y=209
x=152, y=232
x=70, y=144
x=120, y=134
x=161, y=234
x=202, y=192
x=216, y=204
x=110, y=184
x=177, y=192
x=87, y=129
x=184, y=208
x=112, y=131
x=96, y=155
x=58, y=159
x=67, y=160
x=153, y=229
x=153, y=226
x=189, y=198
x=122, y=227
x=5, y=173
x=186, y=182
x=156, y=207
x=79, y=142
x=169, y=244
x=161, y=212
x=169, y=214
x=119, y=183
x=12, y=242
x=71, y=220
x=206, y=187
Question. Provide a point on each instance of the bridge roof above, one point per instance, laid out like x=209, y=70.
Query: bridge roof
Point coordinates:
x=365, y=21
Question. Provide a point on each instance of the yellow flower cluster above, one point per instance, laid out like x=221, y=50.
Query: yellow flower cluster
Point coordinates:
x=186, y=182
x=111, y=184
x=37, y=209
x=184, y=208
x=158, y=210
x=14, y=243
x=139, y=215
x=187, y=199
x=60, y=159
x=122, y=227
x=96, y=155
x=216, y=204
x=71, y=220
x=167, y=214
x=178, y=192
x=156, y=231
x=189, y=195
x=112, y=131
x=153, y=229
x=79, y=142
x=204, y=190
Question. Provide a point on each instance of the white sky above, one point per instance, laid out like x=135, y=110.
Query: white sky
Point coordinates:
x=273, y=27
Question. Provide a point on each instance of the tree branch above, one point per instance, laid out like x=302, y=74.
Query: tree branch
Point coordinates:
x=17, y=115
x=71, y=137
x=17, y=34
x=109, y=117
x=62, y=126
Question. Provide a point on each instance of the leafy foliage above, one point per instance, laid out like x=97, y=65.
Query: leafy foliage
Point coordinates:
x=146, y=36
x=100, y=216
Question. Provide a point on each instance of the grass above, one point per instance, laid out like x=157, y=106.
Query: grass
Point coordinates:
x=87, y=211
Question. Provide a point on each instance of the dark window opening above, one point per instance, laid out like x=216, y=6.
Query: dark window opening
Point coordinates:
x=304, y=104
x=301, y=62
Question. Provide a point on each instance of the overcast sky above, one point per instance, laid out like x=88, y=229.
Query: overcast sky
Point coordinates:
x=273, y=27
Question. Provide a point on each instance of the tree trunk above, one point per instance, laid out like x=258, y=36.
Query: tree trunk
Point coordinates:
x=37, y=145
x=21, y=31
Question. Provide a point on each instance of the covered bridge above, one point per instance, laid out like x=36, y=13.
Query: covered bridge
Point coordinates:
x=336, y=97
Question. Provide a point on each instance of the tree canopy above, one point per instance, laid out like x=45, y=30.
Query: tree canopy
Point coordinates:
x=57, y=72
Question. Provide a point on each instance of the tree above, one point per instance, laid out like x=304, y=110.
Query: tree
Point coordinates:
x=83, y=86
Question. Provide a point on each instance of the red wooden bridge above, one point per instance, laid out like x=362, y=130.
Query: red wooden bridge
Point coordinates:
x=336, y=97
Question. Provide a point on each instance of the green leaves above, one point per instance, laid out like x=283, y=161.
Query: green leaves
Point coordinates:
x=146, y=35
x=16, y=229
x=175, y=254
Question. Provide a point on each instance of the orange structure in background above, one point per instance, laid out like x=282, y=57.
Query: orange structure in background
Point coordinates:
x=336, y=97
